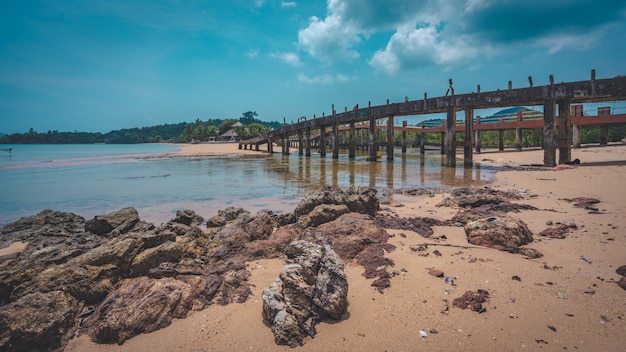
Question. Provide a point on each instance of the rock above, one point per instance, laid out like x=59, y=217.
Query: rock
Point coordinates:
x=472, y=300
x=529, y=252
x=621, y=270
x=312, y=286
x=152, y=257
x=188, y=217
x=122, y=220
x=467, y=197
x=435, y=273
x=559, y=232
x=489, y=210
x=140, y=305
x=418, y=224
x=582, y=202
x=38, y=322
x=500, y=233
x=225, y=216
x=323, y=213
x=357, y=237
x=358, y=199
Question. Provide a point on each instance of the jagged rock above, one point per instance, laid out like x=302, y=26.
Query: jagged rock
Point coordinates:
x=357, y=237
x=38, y=322
x=358, y=199
x=45, y=223
x=622, y=282
x=225, y=216
x=420, y=225
x=559, y=232
x=152, y=257
x=188, y=217
x=529, y=252
x=472, y=300
x=474, y=197
x=621, y=270
x=488, y=210
x=139, y=306
x=122, y=220
x=312, y=286
x=323, y=213
x=500, y=233
x=582, y=202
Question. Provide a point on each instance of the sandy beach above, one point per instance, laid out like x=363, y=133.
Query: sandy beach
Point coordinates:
x=566, y=300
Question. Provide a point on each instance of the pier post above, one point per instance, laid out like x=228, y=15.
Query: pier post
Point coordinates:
x=549, y=147
x=604, y=130
x=300, y=143
x=563, y=141
x=468, y=160
x=285, y=143
x=270, y=147
x=577, y=111
x=450, y=137
x=390, y=138
x=477, y=135
x=423, y=139
x=307, y=141
x=322, y=141
x=335, y=140
x=373, y=146
x=351, y=141
x=518, y=133
x=404, y=137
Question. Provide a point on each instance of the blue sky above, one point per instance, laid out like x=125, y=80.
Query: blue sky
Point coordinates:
x=96, y=66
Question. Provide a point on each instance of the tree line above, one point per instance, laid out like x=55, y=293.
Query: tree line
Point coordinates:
x=182, y=132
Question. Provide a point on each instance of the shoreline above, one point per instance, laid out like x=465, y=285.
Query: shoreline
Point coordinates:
x=551, y=307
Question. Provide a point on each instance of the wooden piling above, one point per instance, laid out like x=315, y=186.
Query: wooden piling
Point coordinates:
x=563, y=141
x=477, y=135
x=351, y=141
x=390, y=138
x=307, y=140
x=335, y=140
x=404, y=137
x=549, y=147
x=373, y=145
x=450, y=137
x=518, y=133
x=423, y=139
x=604, y=130
x=468, y=160
x=322, y=141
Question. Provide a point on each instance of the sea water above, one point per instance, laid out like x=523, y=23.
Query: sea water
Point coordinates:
x=89, y=180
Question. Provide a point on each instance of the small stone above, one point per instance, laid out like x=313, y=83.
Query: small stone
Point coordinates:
x=552, y=328
x=437, y=253
x=436, y=273
x=589, y=291
x=433, y=331
x=549, y=223
x=516, y=278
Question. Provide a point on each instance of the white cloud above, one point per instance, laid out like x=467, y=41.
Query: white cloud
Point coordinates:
x=330, y=39
x=252, y=53
x=412, y=47
x=323, y=79
x=284, y=4
x=259, y=3
x=290, y=58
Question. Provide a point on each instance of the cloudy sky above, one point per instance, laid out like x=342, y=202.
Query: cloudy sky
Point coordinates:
x=78, y=65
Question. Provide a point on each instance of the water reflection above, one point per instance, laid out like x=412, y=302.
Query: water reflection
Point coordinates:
x=408, y=170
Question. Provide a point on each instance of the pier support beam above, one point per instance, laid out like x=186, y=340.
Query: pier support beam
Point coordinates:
x=576, y=111
x=351, y=141
x=450, y=137
x=500, y=140
x=423, y=139
x=549, y=147
x=373, y=145
x=518, y=133
x=322, y=141
x=468, y=160
x=300, y=143
x=307, y=141
x=335, y=140
x=404, y=137
x=477, y=135
x=270, y=147
x=285, y=144
x=604, y=130
x=563, y=141
x=390, y=138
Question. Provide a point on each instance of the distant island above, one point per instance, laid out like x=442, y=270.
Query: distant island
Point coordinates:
x=247, y=126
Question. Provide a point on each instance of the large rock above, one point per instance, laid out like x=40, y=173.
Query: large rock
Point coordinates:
x=498, y=232
x=358, y=199
x=38, y=322
x=311, y=287
x=139, y=306
x=152, y=257
x=322, y=214
x=122, y=220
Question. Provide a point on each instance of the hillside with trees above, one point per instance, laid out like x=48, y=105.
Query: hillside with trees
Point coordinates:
x=181, y=132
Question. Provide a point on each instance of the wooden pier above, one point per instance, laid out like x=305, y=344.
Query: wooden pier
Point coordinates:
x=560, y=113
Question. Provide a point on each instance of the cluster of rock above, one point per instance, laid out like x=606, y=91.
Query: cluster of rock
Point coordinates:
x=115, y=276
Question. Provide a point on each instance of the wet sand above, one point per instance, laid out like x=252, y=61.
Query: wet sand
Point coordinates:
x=550, y=308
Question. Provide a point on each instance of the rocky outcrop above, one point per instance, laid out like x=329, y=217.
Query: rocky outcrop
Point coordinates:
x=358, y=199
x=38, y=322
x=469, y=197
x=311, y=287
x=501, y=233
x=323, y=213
x=122, y=220
x=472, y=300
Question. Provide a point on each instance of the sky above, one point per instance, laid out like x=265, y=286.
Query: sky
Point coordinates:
x=97, y=66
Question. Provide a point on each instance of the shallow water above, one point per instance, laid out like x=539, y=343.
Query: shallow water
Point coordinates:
x=95, y=179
